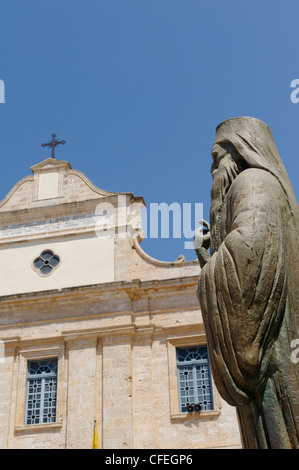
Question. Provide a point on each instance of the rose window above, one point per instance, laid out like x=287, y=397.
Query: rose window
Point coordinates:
x=46, y=262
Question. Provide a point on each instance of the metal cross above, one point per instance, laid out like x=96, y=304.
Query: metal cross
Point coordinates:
x=53, y=143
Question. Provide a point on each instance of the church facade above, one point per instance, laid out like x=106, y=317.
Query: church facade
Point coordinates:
x=93, y=328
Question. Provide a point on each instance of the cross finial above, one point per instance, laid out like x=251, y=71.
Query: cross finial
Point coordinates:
x=53, y=143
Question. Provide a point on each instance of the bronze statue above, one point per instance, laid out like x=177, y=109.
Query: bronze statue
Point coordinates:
x=249, y=285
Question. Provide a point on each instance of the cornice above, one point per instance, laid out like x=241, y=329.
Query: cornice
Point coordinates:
x=119, y=286
x=76, y=337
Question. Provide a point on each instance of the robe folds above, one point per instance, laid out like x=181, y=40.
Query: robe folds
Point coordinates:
x=248, y=292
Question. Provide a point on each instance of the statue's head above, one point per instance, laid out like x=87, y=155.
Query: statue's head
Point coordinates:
x=237, y=138
x=250, y=143
x=242, y=143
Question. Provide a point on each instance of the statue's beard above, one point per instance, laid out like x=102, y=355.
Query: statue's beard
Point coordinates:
x=222, y=180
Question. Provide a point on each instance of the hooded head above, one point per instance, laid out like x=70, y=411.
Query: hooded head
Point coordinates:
x=254, y=145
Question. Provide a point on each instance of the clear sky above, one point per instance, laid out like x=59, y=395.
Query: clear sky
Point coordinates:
x=137, y=88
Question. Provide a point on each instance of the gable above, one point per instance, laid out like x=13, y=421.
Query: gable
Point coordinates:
x=53, y=182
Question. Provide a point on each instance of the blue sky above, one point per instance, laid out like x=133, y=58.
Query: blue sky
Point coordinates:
x=137, y=88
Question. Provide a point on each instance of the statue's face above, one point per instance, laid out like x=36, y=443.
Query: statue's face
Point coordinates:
x=222, y=158
x=218, y=153
x=224, y=171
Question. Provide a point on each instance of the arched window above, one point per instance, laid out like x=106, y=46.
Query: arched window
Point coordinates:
x=194, y=379
x=41, y=392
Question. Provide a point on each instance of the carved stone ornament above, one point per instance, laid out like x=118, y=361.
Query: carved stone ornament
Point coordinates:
x=46, y=263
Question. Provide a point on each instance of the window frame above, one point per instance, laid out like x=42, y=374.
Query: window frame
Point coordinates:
x=39, y=353
x=42, y=378
x=181, y=342
x=40, y=257
x=193, y=377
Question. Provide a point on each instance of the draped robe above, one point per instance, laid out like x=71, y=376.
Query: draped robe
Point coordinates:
x=248, y=292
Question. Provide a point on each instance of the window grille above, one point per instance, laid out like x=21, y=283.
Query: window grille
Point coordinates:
x=46, y=262
x=194, y=379
x=41, y=392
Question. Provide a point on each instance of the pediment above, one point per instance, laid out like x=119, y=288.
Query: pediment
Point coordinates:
x=50, y=164
x=53, y=182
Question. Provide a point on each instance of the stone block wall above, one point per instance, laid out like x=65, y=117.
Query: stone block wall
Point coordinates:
x=115, y=345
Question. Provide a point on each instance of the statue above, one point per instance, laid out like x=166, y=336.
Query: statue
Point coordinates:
x=249, y=285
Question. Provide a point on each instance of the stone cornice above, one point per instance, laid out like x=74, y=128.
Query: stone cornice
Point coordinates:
x=115, y=302
x=118, y=286
x=40, y=212
x=136, y=333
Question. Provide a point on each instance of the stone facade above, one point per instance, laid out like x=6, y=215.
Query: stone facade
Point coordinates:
x=111, y=314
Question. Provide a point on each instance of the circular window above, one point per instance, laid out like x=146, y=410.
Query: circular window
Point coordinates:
x=46, y=263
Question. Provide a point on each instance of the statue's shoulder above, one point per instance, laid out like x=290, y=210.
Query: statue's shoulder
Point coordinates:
x=255, y=182
x=255, y=177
